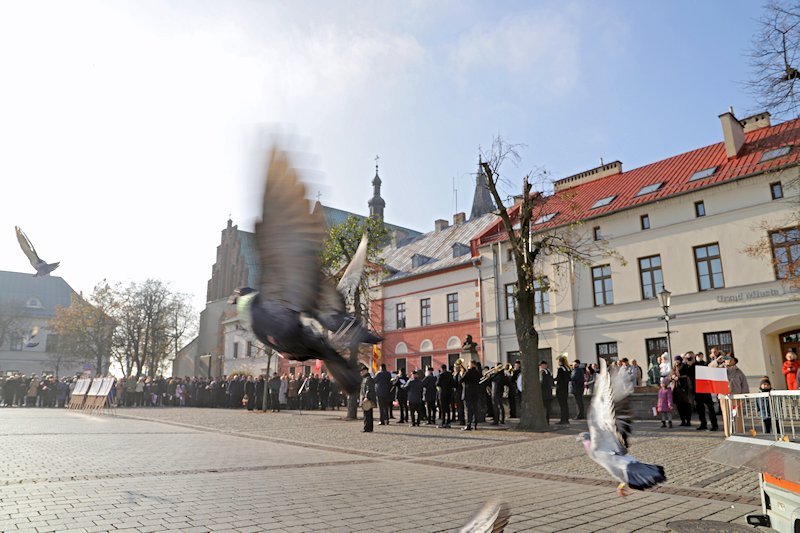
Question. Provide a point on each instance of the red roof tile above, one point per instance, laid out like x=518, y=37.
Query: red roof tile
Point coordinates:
x=575, y=203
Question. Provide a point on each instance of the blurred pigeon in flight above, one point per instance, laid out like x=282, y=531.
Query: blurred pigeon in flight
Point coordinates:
x=605, y=444
x=42, y=267
x=492, y=518
x=29, y=340
x=292, y=286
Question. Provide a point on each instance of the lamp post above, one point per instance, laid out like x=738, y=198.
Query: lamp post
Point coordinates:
x=665, y=297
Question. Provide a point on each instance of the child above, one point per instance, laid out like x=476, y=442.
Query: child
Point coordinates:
x=762, y=404
x=664, y=405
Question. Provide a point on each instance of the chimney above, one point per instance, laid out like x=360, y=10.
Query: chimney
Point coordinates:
x=607, y=169
x=518, y=198
x=459, y=218
x=733, y=133
x=393, y=240
x=441, y=225
x=756, y=122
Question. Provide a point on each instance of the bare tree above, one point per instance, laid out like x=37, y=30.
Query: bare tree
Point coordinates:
x=534, y=244
x=11, y=320
x=774, y=59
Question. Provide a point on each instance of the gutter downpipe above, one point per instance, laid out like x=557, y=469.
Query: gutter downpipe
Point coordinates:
x=495, y=265
x=476, y=263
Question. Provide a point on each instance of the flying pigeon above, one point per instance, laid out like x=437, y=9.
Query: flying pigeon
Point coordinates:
x=29, y=343
x=605, y=444
x=42, y=267
x=292, y=286
x=492, y=518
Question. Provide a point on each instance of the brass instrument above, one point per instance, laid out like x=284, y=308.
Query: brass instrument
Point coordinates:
x=459, y=367
x=489, y=374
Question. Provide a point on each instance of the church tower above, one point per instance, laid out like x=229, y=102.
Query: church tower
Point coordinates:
x=482, y=202
x=376, y=203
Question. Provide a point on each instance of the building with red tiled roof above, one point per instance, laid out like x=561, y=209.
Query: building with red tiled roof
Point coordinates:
x=684, y=223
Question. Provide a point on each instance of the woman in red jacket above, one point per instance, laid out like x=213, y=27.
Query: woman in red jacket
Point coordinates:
x=790, y=367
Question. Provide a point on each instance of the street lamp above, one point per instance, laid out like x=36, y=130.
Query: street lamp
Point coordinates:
x=665, y=296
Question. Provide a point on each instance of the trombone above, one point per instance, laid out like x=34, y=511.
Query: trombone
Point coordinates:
x=489, y=374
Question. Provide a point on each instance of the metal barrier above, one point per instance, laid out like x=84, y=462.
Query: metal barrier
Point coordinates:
x=774, y=415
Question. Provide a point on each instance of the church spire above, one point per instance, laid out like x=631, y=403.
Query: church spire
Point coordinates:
x=376, y=203
x=482, y=202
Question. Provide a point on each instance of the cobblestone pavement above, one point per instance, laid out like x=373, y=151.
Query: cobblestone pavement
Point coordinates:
x=217, y=470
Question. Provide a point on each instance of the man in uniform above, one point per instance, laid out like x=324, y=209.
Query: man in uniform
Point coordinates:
x=367, y=393
x=472, y=388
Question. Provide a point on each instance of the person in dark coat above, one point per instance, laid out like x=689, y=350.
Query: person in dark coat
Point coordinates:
x=324, y=391
x=414, y=388
x=458, y=376
x=446, y=385
x=429, y=384
x=383, y=390
x=274, y=386
x=401, y=394
x=513, y=392
x=472, y=389
x=313, y=392
x=546, y=383
x=260, y=384
x=250, y=392
x=562, y=388
x=499, y=382
x=367, y=393
x=703, y=400
x=578, y=379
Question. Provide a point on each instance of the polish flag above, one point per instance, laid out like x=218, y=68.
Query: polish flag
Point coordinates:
x=711, y=380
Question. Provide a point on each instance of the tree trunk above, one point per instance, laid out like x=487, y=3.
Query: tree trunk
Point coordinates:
x=352, y=399
x=532, y=415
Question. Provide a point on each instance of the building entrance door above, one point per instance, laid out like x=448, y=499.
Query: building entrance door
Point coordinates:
x=655, y=347
x=790, y=340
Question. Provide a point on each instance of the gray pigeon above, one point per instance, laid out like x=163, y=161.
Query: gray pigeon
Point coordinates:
x=492, y=518
x=43, y=268
x=605, y=444
x=292, y=286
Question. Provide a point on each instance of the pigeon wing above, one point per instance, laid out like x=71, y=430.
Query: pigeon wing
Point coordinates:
x=289, y=239
x=27, y=247
x=602, y=418
x=492, y=518
x=352, y=274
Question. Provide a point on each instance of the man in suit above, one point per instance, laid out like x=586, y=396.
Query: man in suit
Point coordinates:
x=429, y=384
x=702, y=401
x=398, y=384
x=513, y=392
x=367, y=393
x=446, y=384
x=324, y=391
x=578, y=379
x=546, y=383
x=472, y=388
x=499, y=381
x=458, y=376
x=383, y=389
x=413, y=388
x=562, y=388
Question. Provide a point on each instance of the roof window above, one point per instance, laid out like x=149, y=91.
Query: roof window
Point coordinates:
x=417, y=260
x=545, y=218
x=701, y=174
x=602, y=202
x=647, y=189
x=34, y=303
x=774, y=154
x=460, y=249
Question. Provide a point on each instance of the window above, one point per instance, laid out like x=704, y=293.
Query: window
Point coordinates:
x=306, y=370
x=607, y=350
x=596, y=233
x=645, y=221
x=545, y=218
x=701, y=174
x=647, y=189
x=425, y=360
x=774, y=154
x=249, y=349
x=603, y=290
x=699, y=209
x=655, y=347
x=235, y=350
x=425, y=312
x=451, y=359
x=15, y=341
x=399, y=363
x=721, y=340
x=510, y=255
x=400, y=314
x=541, y=296
x=51, y=343
x=709, y=267
x=651, y=276
x=460, y=249
x=417, y=260
x=602, y=202
x=512, y=357
x=34, y=303
x=546, y=354
x=291, y=371
x=511, y=301
x=776, y=189
x=785, y=245
x=452, y=307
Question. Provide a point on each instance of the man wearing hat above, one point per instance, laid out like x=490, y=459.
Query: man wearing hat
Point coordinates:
x=546, y=381
x=367, y=397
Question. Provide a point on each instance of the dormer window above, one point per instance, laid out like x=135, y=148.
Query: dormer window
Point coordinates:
x=545, y=218
x=602, y=202
x=460, y=249
x=774, y=154
x=34, y=303
x=417, y=260
x=647, y=189
x=701, y=174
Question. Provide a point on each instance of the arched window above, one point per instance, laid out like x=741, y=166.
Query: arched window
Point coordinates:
x=401, y=348
x=453, y=343
x=34, y=303
x=426, y=346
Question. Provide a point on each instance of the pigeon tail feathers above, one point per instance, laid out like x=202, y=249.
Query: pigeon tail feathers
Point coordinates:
x=643, y=475
x=345, y=373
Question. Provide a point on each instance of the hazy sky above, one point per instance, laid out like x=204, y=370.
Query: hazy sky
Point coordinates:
x=129, y=130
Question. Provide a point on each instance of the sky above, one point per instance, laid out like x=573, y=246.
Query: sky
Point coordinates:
x=131, y=131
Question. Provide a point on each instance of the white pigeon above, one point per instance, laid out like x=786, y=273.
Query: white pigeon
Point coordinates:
x=492, y=518
x=605, y=444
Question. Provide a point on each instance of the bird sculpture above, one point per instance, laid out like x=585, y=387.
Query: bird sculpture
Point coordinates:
x=293, y=290
x=43, y=268
x=605, y=441
x=492, y=518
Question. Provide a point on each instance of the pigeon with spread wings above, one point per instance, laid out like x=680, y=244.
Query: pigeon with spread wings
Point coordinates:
x=43, y=268
x=605, y=444
x=292, y=286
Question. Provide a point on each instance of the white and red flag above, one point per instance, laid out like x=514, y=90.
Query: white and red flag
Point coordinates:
x=711, y=380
